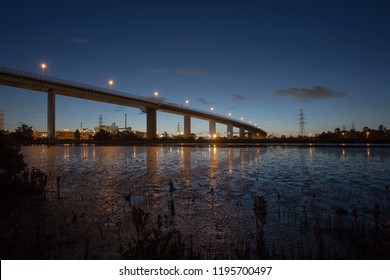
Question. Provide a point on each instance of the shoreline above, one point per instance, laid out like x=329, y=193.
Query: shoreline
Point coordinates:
x=221, y=143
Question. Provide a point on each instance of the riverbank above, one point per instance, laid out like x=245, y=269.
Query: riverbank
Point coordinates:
x=219, y=142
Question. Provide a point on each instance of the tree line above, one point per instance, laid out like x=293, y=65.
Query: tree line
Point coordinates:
x=382, y=133
x=24, y=134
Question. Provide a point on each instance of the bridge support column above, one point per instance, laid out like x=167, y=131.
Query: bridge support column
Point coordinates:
x=229, y=131
x=51, y=115
x=187, y=126
x=151, y=123
x=242, y=132
x=212, y=128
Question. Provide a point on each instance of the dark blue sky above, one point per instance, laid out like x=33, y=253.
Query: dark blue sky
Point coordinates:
x=260, y=60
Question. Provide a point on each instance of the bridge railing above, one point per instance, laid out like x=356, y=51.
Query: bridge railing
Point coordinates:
x=152, y=101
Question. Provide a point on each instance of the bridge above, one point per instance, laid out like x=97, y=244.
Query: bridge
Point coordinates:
x=52, y=86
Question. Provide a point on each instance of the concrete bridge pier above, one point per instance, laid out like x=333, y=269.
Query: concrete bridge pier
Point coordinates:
x=151, y=122
x=242, y=132
x=212, y=128
x=187, y=126
x=51, y=115
x=229, y=131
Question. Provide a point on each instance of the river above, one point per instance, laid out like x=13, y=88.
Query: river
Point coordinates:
x=309, y=192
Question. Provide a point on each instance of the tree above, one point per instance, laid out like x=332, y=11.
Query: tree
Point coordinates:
x=102, y=135
x=11, y=161
x=127, y=135
x=23, y=134
x=77, y=135
x=165, y=134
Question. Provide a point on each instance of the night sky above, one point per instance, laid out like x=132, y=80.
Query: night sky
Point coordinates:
x=260, y=60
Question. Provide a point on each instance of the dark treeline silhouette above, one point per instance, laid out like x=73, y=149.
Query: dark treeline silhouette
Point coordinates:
x=367, y=134
x=24, y=135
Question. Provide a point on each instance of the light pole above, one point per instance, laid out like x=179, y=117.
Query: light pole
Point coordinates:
x=156, y=94
x=110, y=83
x=43, y=67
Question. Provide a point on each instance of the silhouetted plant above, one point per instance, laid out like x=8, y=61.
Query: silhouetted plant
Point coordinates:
x=23, y=134
x=77, y=135
x=153, y=243
x=102, y=135
x=261, y=248
x=385, y=238
x=140, y=218
x=260, y=208
x=11, y=161
x=319, y=235
x=354, y=215
x=242, y=249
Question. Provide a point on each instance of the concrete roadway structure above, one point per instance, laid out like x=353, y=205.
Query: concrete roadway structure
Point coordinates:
x=53, y=86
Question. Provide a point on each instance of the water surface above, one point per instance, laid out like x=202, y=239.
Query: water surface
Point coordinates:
x=212, y=205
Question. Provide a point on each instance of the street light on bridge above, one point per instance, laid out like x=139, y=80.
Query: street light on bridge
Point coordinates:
x=186, y=102
x=156, y=94
x=43, y=67
x=110, y=83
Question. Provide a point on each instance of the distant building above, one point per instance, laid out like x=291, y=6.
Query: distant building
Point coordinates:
x=38, y=134
x=65, y=134
x=109, y=128
x=85, y=134
x=128, y=129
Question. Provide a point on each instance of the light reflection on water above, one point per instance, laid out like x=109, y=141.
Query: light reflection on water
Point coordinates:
x=215, y=188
